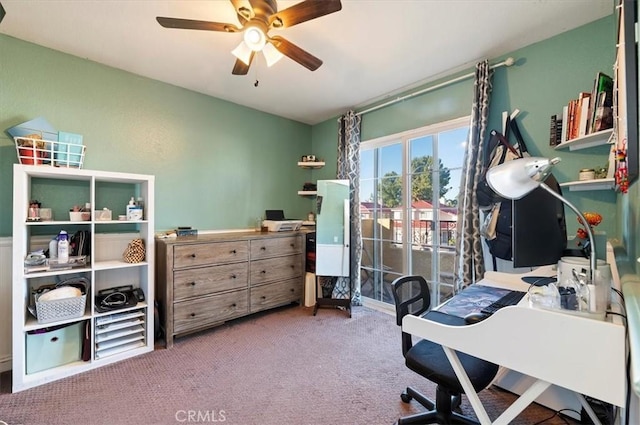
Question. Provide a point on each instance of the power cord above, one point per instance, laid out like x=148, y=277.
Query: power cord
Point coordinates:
x=558, y=414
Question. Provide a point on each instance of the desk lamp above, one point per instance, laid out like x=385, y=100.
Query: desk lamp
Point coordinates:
x=514, y=179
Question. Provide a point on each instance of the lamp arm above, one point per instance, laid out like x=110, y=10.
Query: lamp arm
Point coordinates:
x=592, y=255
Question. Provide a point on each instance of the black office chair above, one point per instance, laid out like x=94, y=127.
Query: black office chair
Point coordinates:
x=411, y=295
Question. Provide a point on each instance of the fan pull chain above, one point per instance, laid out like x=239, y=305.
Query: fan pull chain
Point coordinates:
x=255, y=71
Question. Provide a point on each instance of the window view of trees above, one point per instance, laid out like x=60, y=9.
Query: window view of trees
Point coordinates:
x=421, y=183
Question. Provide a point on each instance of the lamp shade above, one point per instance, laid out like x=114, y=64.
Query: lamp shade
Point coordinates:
x=271, y=54
x=243, y=52
x=514, y=179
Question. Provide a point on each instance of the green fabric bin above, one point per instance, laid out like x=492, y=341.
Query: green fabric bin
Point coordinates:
x=54, y=347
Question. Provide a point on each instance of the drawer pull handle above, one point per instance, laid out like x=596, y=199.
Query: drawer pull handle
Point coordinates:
x=193, y=283
x=293, y=245
x=264, y=248
x=292, y=266
x=193, y=255
x=292, y=290
x=233, y=276
x=233, y=251
x=263, y=272
x=263, y=297
x=193, y=315
x=234, y=305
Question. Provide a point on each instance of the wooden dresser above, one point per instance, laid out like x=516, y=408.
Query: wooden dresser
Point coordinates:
x=205, y=280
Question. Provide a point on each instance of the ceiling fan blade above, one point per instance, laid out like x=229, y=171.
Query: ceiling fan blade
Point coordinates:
x=243, y=9
x=303, y=11
x=2, y=12
x=241, y=68
x=189, y=24
x=289, y=49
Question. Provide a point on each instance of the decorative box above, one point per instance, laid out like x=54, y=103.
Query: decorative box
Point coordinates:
x=102, y=215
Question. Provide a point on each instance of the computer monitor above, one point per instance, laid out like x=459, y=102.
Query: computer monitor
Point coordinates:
x=539, y=233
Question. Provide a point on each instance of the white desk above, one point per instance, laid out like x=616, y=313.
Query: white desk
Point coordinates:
x=584, y=355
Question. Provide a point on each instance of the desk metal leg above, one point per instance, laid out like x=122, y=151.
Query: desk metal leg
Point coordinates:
x=522, y=402
x=511, y=412
x=481, y=413
x=588, y=409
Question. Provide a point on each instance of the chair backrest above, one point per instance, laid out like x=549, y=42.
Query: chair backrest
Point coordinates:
x=411, y=296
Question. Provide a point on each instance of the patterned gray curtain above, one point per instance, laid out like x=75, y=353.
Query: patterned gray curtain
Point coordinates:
x=349, y=169
x=469, y=258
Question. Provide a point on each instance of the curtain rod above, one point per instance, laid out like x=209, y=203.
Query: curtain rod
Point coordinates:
x=507, y=62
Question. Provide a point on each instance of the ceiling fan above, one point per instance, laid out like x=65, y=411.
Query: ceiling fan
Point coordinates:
x=256, y=18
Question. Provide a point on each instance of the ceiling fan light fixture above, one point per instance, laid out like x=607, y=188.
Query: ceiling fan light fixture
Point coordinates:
x=271, y=54
x=255, y=38
x=243, y=52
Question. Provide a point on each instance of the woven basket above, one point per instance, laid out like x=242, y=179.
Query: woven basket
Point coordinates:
x=135, y=252
x=66, y=308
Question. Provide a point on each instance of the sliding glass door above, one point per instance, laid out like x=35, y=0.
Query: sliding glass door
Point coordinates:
x=408, y=191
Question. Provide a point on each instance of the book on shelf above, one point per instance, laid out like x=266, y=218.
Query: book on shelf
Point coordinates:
x=585, y=106
x=590, y=112
x=565, y=119
x=555, y=130
x=603, y=113
x=571, y=124
x=553, y=124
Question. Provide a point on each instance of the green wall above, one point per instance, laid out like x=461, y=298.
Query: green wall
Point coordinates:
x=218, y=165
x=547, y=75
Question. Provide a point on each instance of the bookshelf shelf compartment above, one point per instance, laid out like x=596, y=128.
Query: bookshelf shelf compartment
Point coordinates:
x=588, y=141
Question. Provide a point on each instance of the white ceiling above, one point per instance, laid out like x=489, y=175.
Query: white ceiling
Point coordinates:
x=372, y=49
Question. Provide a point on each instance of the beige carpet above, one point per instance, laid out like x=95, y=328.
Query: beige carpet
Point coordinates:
x=282, y=367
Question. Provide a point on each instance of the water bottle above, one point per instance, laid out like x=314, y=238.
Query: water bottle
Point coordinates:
x=53, y=248
x=63, y=247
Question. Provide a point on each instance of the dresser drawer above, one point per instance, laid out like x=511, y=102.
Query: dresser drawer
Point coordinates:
x=264, y=248
x=209, y=253
x=275, y=294
x=206, y=280
x=206, y=311
x=280, y=268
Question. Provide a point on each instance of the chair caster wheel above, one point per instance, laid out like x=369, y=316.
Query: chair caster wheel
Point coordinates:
x=456, y=401
x=406, y=397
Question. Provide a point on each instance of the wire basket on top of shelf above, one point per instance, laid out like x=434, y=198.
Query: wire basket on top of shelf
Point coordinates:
x=36, y=151
x=65, y=308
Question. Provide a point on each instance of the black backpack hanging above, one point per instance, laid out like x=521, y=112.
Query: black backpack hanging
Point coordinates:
x=498, y=151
